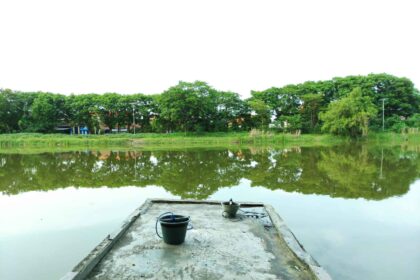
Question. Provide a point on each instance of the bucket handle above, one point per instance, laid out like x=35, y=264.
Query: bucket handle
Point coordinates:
x=223, y=202
x=190, y=226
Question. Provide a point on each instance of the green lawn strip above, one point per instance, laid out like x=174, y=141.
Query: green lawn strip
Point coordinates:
x=36, y=141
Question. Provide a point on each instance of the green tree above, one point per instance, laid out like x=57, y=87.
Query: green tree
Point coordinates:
x=13, y=107
x=231, y=112
x=414, y=121
x=283, y=101
x=188, y=106
x=4, y=112
x=289, y=123
x=402, y=99
x=311, y=106
x=260, y=112
x=47, y=111
x=395, y=123
x=108, y=109
x=82, y=111
x=145, y=108
x=350, y=115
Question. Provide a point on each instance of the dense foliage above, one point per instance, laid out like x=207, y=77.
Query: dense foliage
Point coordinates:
x=199, y=107
x=349, y=115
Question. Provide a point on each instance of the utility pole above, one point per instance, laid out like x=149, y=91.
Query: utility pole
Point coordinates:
x=383, y=114
x=382, y=163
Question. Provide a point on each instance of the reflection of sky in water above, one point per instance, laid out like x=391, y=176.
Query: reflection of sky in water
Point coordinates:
x=69, y=208
x=352, y=238
x=47, y=233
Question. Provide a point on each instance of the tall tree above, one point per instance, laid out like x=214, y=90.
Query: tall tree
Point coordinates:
x=231, y=112
x=260, y=113
x=82, y=110
x=13, y=107
x=48, y=110
x=309, y=110
x=188, y=106
x=281, y=101
x=350, y=115
x=109, y=109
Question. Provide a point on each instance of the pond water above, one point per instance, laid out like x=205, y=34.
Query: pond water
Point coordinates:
x=356, y=209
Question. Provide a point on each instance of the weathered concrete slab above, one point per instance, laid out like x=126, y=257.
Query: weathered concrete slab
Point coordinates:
x=216, y=248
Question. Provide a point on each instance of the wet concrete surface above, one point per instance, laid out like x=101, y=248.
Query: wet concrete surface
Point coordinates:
x=215, y=248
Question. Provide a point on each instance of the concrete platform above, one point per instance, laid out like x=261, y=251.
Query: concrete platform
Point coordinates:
x=216, y=247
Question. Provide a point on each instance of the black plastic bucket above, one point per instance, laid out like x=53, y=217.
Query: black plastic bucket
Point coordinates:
x=230, y=208
x=174, y=228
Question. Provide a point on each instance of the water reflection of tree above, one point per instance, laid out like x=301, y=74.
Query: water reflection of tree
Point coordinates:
x=345, y=171
x=197, y=174
x=374, y=174
x=190, y=174
x=275, y=168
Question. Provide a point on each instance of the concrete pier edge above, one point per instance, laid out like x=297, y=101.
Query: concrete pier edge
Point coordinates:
x=84, y=267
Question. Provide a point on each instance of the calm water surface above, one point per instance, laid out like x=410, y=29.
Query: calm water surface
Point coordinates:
x=356, y=209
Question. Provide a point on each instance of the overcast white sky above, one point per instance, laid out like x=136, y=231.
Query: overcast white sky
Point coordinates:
x=146, y=46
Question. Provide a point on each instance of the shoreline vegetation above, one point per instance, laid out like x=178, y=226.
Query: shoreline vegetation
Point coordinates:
x=348, y=110
x=54, y=142
x=347, y=106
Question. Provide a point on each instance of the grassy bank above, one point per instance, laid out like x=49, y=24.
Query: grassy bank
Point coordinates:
x=33, y=140
x=179, y=140
x=392, y=138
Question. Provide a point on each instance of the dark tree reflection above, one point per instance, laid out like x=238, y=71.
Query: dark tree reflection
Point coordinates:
x=352, y=171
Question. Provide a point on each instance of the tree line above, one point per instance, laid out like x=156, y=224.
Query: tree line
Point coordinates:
x=348, y=105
